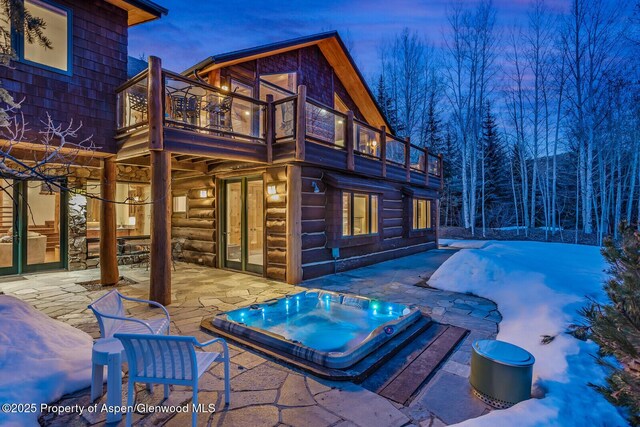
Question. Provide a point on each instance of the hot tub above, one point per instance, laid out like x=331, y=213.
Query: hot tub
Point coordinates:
x=327, y=328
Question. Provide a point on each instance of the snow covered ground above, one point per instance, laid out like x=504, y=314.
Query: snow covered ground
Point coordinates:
x=41, y=359
x=538, y=288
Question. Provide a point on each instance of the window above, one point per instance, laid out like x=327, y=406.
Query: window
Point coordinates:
x=279, y=85
x=180, y=204
x=5, y=35
x=133, y=209
x=359, y=214
x=57, y=29
x=421, y=214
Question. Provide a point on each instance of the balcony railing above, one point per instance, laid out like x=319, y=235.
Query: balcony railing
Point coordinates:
x=192, y=105
x=202, y=108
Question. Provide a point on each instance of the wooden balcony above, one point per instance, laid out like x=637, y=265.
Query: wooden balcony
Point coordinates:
x=166, y=111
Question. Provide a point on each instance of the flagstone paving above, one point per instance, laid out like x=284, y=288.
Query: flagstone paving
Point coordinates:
x=266, y=392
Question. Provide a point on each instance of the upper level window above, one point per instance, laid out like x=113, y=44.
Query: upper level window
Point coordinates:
x=421, y=214
x=57, y=30
x=5, y=35
x=279, y=85
x=359, y=214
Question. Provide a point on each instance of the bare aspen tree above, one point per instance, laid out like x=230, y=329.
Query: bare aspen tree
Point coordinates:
x=469, y=68
x=592, y=37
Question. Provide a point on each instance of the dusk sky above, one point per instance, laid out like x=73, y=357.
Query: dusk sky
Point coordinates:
x=193, y=31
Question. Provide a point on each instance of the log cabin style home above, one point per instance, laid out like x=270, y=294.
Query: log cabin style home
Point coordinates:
x=274, y=160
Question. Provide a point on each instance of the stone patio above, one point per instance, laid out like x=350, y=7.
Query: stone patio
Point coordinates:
x=264, y=391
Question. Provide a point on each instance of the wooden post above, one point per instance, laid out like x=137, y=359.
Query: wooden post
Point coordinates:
x=294, y=224
x=154, y=104
x=426, y=166
x=270, y=126
x=301, y=121
x=350, y=141
x=383, y=149
x=437, y=224
x=407, y=157
x=160, y=256
x=441, y=170
x=109, y=274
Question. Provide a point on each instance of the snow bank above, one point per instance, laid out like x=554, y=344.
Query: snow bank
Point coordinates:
x=41, y=359
x=538, y=288
x=463, y=244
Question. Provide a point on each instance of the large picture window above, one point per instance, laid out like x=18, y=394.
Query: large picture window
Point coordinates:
x=133, y=209
x=421, y=214
x=57, y=29
x=359, y=214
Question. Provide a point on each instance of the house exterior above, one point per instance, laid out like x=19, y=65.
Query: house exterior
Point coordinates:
x=279, y=163
x=74, y=80
x=273, y=161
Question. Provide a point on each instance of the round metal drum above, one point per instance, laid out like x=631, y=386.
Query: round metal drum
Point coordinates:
x=501, y=373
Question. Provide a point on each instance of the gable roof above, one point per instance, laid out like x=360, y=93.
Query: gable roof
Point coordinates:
x=140, y=11
x=334, y=50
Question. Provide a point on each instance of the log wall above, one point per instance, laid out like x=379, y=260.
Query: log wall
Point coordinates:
x=321, y=213
x=276, y=224
x=198, y=224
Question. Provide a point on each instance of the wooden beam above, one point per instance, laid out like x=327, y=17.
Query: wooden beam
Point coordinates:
x=301, y=122
x=34, y=146
x=407, y=157
x=426, y=166
x=383, y=149
x=160, y=256
x=270, y=127
x=441, y=170
x=178, y=165
x=154, y=104
x=109, y=274
x=436, y=226
x=350, y=143
x=31, y=156
x=180, y=141
x=294, y=224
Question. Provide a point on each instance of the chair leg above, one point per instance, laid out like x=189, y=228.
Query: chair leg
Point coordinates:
x=131, y=399
x=194, y=406
x=227, y=387
x=166, y=391
x=97, y=381
x=114, y=386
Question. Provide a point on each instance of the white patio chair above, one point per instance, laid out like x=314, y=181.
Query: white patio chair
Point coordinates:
x=170, y=359
x=109, y=311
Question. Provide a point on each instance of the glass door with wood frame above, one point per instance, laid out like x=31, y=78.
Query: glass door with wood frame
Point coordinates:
x=9, y=207
x=243, y=226
x=33, y=226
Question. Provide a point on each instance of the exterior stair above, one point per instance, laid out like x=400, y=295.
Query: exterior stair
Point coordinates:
x=401, y=377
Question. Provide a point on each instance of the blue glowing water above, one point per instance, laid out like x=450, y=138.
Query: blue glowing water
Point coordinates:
x=324, y=322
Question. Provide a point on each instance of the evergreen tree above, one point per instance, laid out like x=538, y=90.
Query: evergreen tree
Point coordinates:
x=433, y=138
x=387, y=105
x=615, y=327
x=496, y=176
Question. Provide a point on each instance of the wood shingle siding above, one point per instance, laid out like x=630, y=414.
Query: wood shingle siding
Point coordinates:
x=99, y=66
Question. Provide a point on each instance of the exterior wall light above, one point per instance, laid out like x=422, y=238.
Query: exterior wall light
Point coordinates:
x=203, y=194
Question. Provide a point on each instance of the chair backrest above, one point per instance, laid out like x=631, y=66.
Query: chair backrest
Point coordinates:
x=169, y=358
x=110, y=304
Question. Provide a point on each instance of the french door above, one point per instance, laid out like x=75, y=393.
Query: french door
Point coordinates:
x=243, y=224
x=33, y=226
